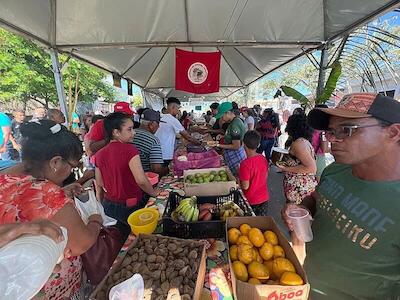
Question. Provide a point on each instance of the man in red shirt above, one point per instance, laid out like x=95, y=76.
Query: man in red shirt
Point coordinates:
x=253, y=174
x=95, y=138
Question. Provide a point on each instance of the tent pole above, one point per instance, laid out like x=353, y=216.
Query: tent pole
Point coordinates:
x=322, y=70
x=59, y=83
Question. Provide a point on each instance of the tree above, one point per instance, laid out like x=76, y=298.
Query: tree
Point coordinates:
x=137, y=101
x=26, y=74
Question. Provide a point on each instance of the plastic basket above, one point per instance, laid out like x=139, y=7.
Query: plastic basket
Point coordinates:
x=200, y=229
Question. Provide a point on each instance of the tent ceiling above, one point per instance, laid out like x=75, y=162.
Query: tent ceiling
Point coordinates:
x=137, y=38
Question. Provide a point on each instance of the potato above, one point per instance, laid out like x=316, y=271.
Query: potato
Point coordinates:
x=192, y=254
x=148, y=283
x=179, y=264
x=176, y=281
x=151, y=258
x=172, y=247
x=165, y=287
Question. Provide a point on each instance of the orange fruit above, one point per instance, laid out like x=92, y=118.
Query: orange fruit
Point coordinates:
x=267, y=251
x=271, y=237
x=244, y=229
x=291, y=278
x=233, y=252
x=240, y=270
x=244, y=240
x=233, y=235
x=258, y=270
x=256, y=256
x=282, y=265
x=278, y=251
x=245, y=253
x=254, y=281
x=268, y=264
x=256, y=237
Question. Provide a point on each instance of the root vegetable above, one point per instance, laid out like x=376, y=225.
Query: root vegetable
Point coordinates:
x=172, y=247
x=156, y=274
x=151, y=258
x=179, y=264
x=165, y=287
x=192, y=254
x=149, y=283
x=203, y=212
x=176, y=282
x=183, y=271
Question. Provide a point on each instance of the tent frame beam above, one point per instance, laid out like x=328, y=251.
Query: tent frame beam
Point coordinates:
x=168, y=44
x=59, y=82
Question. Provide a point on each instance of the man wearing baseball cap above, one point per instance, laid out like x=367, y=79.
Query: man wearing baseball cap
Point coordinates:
x=95, y=138
x=148, y=144
x=355, y=253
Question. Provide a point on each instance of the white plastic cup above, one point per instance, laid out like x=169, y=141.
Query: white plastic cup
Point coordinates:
x=27, y=263
x=301, y=220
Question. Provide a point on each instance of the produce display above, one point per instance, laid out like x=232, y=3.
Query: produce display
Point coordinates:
x=186, y=211
x=164, y=263
x=257, y=258
x=213, y=176
x=189, y=211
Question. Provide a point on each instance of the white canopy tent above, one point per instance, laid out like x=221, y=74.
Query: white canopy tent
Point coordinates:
x=136, y=39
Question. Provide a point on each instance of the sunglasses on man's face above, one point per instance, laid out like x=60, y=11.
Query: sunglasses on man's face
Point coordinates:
x=345, y=131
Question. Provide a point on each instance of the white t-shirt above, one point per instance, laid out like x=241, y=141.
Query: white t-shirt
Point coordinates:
x=166, y=133
x=247, y=121
x=212, y=121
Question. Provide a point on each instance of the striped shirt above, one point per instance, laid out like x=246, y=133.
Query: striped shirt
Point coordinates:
x=149, y=147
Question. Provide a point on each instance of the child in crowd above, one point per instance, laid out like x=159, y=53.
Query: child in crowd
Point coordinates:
x=253, y=174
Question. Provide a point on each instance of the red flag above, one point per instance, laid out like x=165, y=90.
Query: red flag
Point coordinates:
x=197, y=72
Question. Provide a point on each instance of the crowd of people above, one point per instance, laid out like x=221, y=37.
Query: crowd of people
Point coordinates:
x=353, y=200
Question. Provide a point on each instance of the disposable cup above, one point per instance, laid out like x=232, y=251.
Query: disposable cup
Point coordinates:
x=301, y=220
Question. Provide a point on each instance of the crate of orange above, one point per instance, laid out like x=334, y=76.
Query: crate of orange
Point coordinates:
x=262, y=262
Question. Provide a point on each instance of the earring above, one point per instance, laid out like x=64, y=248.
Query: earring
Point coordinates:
x=55, y=170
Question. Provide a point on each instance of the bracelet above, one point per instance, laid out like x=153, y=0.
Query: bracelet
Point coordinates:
x=97, y=222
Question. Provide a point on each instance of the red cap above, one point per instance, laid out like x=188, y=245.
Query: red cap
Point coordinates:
x=123, y=107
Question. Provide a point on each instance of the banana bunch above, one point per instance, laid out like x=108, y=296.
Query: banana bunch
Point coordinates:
x=187, y=210
x=230, y=209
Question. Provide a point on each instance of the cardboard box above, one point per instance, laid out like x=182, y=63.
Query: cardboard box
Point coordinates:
x=243, y=290
x=200, y=276
x=211, y=188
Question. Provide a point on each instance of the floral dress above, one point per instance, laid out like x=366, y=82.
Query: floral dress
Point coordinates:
x=297, y=186
x=24, y=199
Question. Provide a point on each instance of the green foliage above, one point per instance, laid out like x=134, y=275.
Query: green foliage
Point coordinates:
x=329, y=88
x=26, y=74
x=137, y=101
x=331, y=83
x=295, y=95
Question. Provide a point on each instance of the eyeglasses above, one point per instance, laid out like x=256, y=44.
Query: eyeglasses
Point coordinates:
x=342, y=132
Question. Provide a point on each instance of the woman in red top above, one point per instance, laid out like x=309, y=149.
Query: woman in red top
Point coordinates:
x=119, y=172
x=185, y=120
x=32, y=191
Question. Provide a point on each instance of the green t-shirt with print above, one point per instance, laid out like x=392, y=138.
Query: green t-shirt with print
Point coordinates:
x=355, y=253
x=235, y=131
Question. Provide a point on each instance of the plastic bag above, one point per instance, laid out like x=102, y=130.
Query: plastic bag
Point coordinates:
x=27, y=263
x=203, y=160
x=88, y=205
x=130, y=289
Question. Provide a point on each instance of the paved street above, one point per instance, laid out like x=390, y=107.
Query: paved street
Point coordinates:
x=277, y=198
